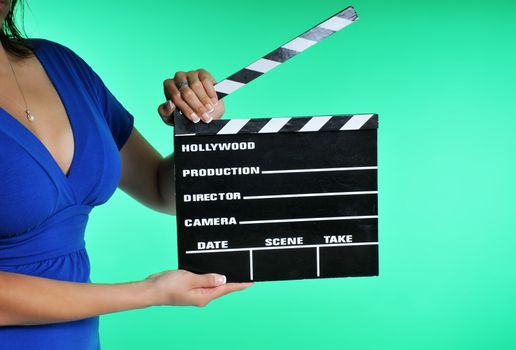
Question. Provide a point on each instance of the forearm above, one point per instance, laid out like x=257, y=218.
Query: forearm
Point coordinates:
x=146, y=175
x=167, y=187
x=28, y=300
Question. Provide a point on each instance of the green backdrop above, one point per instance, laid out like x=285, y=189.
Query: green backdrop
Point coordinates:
x=441, y=75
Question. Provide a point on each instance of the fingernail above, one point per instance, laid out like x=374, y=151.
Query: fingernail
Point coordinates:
x=214, y=99
x=209, y=107
x=221, y=279
x=206, y=118
x=195, y=118
x=170, y=105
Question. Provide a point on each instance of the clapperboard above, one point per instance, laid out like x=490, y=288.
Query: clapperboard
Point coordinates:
x=280, y=198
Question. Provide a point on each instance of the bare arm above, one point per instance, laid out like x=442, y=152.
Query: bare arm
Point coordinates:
x=146, y=175
x=28, y=300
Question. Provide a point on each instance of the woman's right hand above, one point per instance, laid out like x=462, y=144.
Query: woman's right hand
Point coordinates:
x=181, y=287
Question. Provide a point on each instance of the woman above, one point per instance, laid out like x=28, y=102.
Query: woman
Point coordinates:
x=66, y=143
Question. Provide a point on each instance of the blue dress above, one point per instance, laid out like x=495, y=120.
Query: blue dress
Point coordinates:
x=43, y=212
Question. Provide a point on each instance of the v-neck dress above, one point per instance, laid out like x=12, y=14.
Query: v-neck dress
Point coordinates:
x=43, y=212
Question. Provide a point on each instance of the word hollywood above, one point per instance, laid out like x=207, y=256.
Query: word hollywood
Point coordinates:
x=210, y=147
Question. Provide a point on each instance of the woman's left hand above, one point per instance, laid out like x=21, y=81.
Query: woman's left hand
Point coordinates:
x=193, y=93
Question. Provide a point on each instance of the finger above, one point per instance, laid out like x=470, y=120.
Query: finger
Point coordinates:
x=219, y=110
x=198, y=88
x=214, y=293
x=208, y=280
x=208, y=82
x=172, y=93
x=190, y=96
x=235, y=287
x=165, y=111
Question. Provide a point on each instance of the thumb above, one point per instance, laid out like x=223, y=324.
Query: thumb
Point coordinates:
x=166, y=109
x=209, y=280
x=169, y=107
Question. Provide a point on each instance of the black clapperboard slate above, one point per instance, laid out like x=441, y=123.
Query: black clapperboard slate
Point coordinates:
x=284, y=198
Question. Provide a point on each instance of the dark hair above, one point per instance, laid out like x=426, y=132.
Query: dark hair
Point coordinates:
x=11, y=38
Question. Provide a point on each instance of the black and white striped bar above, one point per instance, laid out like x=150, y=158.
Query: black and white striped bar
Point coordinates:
x=278, y=56
x=275, y=58
x=184, y=127
x=278, y=198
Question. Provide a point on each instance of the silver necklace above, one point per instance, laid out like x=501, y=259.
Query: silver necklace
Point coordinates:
x=30, y=116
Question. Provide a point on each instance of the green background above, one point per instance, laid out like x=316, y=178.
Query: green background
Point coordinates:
x=441, y=75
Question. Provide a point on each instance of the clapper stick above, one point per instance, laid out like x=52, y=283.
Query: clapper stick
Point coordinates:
x=282, y=54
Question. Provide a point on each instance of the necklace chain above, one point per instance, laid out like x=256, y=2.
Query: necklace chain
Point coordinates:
x=30, y=116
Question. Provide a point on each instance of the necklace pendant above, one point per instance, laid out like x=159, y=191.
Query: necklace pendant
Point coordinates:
x=30, y=117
